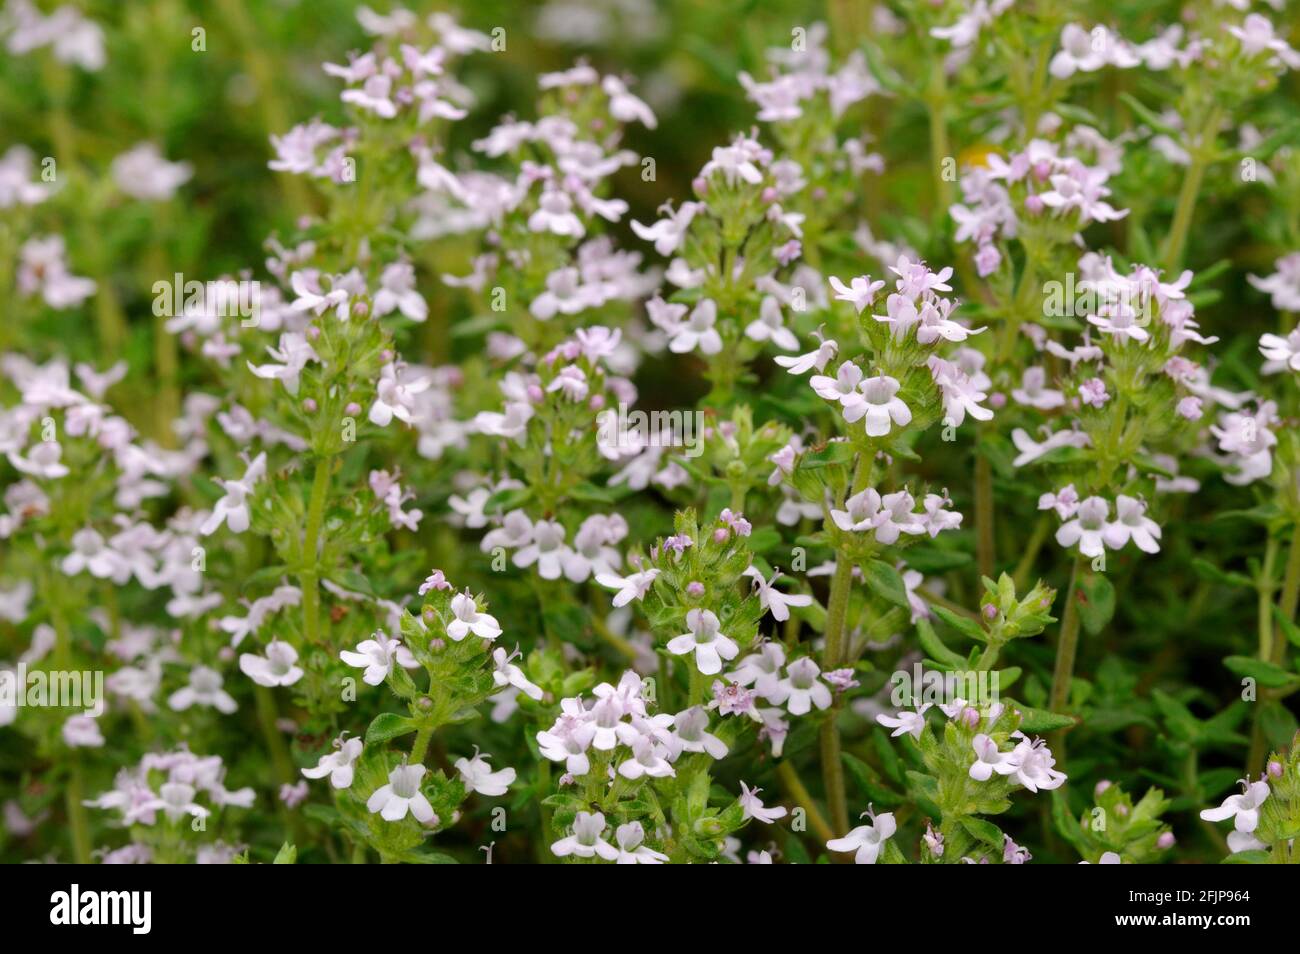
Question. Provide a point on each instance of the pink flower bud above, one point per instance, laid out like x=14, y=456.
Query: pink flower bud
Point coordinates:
x=1101, y=787
x=971, y=716
x=360, y=309
x=695, y=589
x=990, y=611
x=700, y=185
x=309, y=406
x=1033, y=204
x=769, y=194
x=1275, y=769
x=597, y=402
x=1166, y=840
x=313, y=332
x=998, y=399
x=720, y=535
x=353, y=409
x=535, y=393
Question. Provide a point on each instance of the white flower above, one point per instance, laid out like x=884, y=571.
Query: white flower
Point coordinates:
x=176, y=801
x=1089, y=528
x=769, y=326
x=293, y=354
x=376, y=656
x=547, y=549
x=470, y=620
x=1033, y=764
x=1031, y=450
x=772, y=599
x=1034, y=393
x=204, y=689
x=143, y=173
x=631, y=587
x=1243, y=808
x=668, y=233
x=232, y=509
x=813, y=359
x=506, y=673
x=585, y=842
x=905, y=723
x=989, y=760
x=569, y=738
x=397, y=293
x=478, y=776
x=698, y=331
x=630, y=849
x=880, y=406
x=704, y=639
x=801, y=689
x=337, y=764
x=277, y=668
x=82, y=732
x=867, y=840
x=754, y=808
x=1065, y=502
x=1282, y=353
x=1132, y=523
x=395, y=398
x=690, y=734
x=843, y=387
x=860, y=292
x=402, y=794
x=648, y=758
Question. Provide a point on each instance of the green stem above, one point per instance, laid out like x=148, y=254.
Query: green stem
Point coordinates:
x=1067, y=644
x=936, y=99
x=1290, y=598
x=77, y=814
x=1201, y=153
x=798, y=792
x=1026, y=565
x=984, y=545
x=421, y=745
x=309, y=575
x=837, y=609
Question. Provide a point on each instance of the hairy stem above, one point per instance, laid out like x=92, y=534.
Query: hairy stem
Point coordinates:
x=309, y=575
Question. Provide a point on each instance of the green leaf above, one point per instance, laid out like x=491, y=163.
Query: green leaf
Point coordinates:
x=885, y=582
x=1149, y=117
x=1264, y=673
x=963, y=624
x=1067, y=824
x=983, y=831
x=389, y=725
x=1256, y=856
x=935, y=648
x=1096, y=603
x=1037, y=721
x=1290, y=629
x=287, y=855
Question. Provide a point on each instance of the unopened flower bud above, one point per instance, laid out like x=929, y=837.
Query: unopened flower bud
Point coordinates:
x=1166, y=840
x=1100, y=788
x=720, y=535
x=309, y=406
x=990, y=611
x=353, y=409
x=1275, y=769
x=695, y=589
